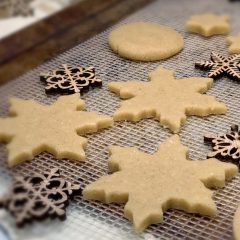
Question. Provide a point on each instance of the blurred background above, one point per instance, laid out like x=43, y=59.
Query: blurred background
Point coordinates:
x=34, y=31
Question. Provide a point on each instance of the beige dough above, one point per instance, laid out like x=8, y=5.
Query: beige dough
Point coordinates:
x=34, y=128
x=145, y=41
x=236, y=225
x=166, y=99
x=151, y=184
x=208, y=24
x=234, y=43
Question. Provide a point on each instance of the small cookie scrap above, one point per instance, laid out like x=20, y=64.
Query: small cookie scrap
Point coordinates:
x=39, y=196
x=208, y=24
x=145, y=41
x=151, y=184
x=220, y=65
x=236, y=225
x=225, y=145
x=166, y=99
x=35, y=128
x=234, y=42
x=68, y=79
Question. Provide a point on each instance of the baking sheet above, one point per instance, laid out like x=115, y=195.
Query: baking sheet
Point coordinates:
x=95, y=220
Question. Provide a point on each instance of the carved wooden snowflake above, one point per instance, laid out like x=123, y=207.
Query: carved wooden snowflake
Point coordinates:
x=151, y=184
x=69, y=79
x=38, y=197
x=165, y=98
x=225, y=145
x=35, y=128
x=220, y=65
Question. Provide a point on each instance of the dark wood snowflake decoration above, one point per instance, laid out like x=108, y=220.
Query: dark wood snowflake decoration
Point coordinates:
x=38, y=197
x=225, y=145
x=220, y=65
x=70, y=80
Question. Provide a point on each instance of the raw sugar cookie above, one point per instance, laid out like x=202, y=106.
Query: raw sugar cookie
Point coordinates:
x=236, y=225
x=165, y=98
x=145, y=41
x=208, y=24
x=234, y=42
x=34, y=128
x=151, y=184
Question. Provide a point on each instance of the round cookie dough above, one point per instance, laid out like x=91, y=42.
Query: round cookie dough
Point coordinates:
x=236, y=225
x=145, y=41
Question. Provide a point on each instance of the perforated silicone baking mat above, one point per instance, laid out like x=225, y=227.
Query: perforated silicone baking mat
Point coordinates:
x=94, y=220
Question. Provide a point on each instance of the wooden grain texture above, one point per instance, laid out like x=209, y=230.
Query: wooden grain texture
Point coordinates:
x=42, y=41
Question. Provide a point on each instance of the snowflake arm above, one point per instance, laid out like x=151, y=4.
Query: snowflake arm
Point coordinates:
x=119, y=157
x=197, y=84
x=6, y=130
x=205, y=105
x=126, y=89
x=72, y=102
x=89, y=122
x=234, y=43
x=220, y=172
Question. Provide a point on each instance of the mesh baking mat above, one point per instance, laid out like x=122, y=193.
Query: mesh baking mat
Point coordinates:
x=95, y=220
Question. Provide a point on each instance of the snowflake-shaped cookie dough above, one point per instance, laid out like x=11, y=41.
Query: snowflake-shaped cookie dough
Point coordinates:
x=208, y=24
x=234, y=43
x=166, y=98
x=220, y=65
x=69, y=79
x=39, y=196
x=34, y=128
x=151, y=184
x=225, y=145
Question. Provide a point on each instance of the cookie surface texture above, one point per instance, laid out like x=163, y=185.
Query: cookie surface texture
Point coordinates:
x=236, y=225
x=34, y=128
x=165, y=98
x=208, y=24
x=151, y=184
x=234, y=42
x=145, y=41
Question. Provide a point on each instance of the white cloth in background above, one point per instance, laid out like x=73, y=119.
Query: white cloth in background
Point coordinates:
x=41, y=8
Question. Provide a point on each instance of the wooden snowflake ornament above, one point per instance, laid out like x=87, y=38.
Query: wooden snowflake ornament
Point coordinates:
x=151, y=184
x=165, y=98
x=225, y=145
x=220, y=65
x=70, y=80
x=34, y=128
x=39, y=196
